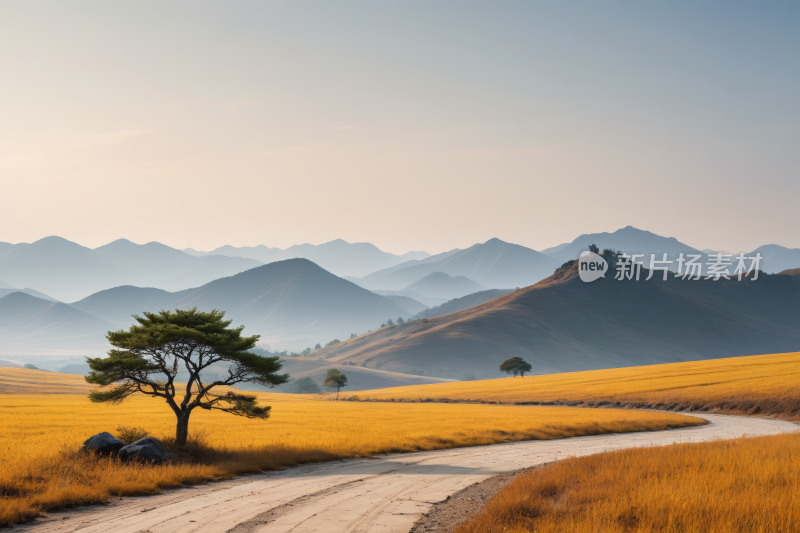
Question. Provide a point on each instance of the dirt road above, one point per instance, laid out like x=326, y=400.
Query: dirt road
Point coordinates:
x=384, y=494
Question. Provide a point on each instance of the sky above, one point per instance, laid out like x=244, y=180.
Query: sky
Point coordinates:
x=414, y=125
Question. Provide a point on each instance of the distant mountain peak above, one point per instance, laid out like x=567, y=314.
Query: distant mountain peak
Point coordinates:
x=54, y=240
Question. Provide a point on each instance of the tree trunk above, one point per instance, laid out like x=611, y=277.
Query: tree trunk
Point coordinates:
x=182, y=430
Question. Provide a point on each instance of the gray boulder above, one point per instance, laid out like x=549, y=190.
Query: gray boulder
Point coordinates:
x=104, y=443
x=148, y=449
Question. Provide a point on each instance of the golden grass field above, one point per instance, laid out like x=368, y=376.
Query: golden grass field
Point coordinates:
x=40, y=471
x=761, y=384
x=731, y=486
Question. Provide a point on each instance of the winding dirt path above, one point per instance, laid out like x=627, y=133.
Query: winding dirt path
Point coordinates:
x=382, y=494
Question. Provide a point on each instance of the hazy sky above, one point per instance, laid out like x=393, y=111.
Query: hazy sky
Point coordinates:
x=409, y=124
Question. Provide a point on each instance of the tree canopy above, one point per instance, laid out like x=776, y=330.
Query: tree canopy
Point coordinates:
x=515, y=365
x=335, y=380
x=167, y=347
x=305, y=386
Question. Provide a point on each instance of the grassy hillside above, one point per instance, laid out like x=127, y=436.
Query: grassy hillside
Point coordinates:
x=41, y=470
x=358, y=378
x=15, y=380
x=465, y=302
x=761, y=384
x=563, y=324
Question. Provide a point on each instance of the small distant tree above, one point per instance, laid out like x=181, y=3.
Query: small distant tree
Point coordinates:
x=383, y=325
x=515, y=365
x=400, y=320
x=318, y=346
x=148, y=358
x=389, y=322
x=353, y=335
x=334, y=341
x=335, y=380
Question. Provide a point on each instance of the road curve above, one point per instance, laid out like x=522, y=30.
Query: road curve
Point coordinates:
x=383, y=494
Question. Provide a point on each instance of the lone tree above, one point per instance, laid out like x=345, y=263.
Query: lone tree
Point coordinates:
x=515, y=365
x=335, y=380
x=148, y=358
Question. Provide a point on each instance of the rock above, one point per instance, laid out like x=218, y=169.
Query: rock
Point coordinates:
x=148, y=449
x=104, y=443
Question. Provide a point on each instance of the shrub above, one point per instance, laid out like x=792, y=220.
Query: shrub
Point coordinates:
x=131, y=433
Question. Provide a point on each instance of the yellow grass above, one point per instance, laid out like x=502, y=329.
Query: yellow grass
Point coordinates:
x=24, y=381
x=40, y=471
x=761, y=384
x=734, y=486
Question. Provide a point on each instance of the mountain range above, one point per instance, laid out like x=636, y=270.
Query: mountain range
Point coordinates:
x=635, y=241
x=339, y=257
x=492, y=264
x=628, y=239
x=295, y=303
x=33, y=326
x=562, y=324
x=68, y=271
x=290, y=302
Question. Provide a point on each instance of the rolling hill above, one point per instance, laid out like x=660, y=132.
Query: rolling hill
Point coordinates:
x=427, y=301
x=34, y=326
x=410, y=305
x=493, y=264
x=359, y=378
x=338, y=256
x=120, y=303
x=465, y=302
x=440, y=285
x=37, y=294
x=562, y=324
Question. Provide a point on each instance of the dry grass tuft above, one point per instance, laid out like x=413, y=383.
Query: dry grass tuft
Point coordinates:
x=731, y=486
x=130, y=433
